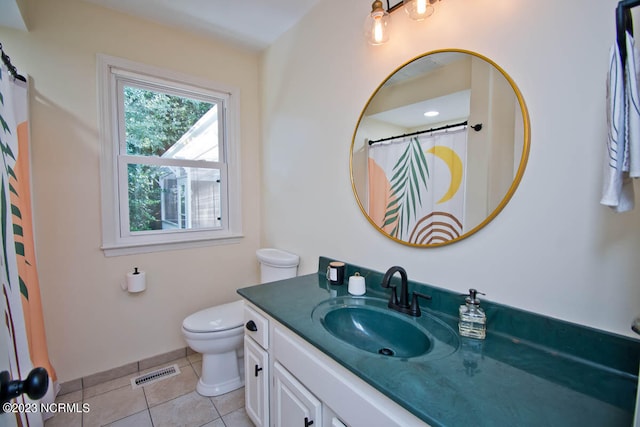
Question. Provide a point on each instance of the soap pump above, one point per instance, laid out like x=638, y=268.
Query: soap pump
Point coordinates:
x=473, y=320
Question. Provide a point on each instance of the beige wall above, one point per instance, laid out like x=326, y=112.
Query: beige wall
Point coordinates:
x=92, y=325
x=554, y=249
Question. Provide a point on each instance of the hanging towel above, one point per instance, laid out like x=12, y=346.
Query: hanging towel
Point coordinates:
x=631, y=161
x=622, y=122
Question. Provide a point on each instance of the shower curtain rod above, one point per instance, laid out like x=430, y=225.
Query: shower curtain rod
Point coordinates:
x=477, y=128
x=12, y=70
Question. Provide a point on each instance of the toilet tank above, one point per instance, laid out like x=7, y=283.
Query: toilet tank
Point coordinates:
x=276, y=264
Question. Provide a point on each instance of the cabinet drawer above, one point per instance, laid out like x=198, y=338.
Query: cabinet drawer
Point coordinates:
x=256, y=326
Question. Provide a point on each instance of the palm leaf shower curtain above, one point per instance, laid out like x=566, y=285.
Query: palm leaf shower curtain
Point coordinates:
x=20, y=287
x=417, y=186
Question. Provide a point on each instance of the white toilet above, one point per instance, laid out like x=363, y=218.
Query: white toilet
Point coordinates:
x=217, y=332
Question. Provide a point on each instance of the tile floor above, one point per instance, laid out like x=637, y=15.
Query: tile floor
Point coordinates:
x=171, y=402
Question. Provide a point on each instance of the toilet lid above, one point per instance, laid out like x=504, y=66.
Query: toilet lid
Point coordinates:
x=218, y=318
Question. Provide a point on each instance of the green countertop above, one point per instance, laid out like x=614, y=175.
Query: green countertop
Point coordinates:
x=530, y=371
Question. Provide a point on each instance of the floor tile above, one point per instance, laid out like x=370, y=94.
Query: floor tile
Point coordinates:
x=215, y=423
x=65, y=419
x=106, y=386
x=113, y=405
x=195, y=358
x=190, y=410
x=172, y=387
x=75, y=396
x=128, y=369
x=229, y=402
x=170, y=402
x=141, y=419
x=197, y=367
x=196, y=362
x=163, y=359
x=237, y=418
x=183, y=361
x=70, y=386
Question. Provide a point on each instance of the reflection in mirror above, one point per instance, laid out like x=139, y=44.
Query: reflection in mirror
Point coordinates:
x=439, y=148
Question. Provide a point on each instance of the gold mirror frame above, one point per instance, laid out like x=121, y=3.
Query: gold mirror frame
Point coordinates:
x=518, y=175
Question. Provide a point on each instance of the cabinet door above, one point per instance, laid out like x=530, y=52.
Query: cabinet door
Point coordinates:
x=256, y=382
x=294, y=405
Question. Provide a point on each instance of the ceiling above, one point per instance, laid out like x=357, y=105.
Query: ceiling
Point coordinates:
x=255, y=24
x=10, y=15
x=454, y=107
x=252, y=23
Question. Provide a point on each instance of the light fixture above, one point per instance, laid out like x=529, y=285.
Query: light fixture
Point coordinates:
x=431, y=113
x=376, y=26
x=418, y=10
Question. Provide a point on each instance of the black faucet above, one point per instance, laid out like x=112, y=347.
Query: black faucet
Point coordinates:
x=403, y=305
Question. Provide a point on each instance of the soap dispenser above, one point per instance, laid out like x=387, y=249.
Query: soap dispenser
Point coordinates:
x=473, y=321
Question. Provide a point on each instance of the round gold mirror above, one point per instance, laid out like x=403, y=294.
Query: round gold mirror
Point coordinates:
x=440, y=148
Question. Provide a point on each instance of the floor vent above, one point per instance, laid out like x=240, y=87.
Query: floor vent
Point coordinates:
x=154, y=376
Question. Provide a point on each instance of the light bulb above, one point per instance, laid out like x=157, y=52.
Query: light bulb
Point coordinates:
x=421, y=7
x=418, y=9
x=375, y=28
x=378, y=29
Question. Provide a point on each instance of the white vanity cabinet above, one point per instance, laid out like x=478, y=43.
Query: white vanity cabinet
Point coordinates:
x=256, y=367
x=304, y=387
x=293, y=404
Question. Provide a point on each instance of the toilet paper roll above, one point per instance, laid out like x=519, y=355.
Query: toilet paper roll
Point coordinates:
x=136, y=282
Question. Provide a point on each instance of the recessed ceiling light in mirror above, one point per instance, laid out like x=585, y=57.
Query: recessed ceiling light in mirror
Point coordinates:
x=452, y=107
x=431, y=114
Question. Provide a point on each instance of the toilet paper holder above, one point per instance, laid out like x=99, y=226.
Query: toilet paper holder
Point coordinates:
x=135, y=281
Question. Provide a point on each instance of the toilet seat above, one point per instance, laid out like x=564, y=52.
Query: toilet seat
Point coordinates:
x=214, y=319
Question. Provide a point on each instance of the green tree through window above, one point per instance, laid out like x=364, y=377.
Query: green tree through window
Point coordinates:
x=154, y=122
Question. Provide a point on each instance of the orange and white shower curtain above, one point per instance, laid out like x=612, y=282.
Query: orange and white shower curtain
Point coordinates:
x=417, y=186
x=26, y=346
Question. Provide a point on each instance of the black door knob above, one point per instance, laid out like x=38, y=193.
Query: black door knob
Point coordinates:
x=35, y=386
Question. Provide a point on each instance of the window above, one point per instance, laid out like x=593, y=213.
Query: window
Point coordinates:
x=169, y=166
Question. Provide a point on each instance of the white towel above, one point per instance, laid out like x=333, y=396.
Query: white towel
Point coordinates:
x=617, y=190
x=631, y=161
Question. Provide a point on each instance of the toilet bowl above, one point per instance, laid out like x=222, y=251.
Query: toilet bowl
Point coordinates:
x=217, y=332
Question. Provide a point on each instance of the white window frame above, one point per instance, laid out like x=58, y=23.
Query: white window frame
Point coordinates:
x=116, y=237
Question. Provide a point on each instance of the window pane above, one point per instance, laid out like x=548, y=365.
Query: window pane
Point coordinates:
x=169, y=197
x=163, y=125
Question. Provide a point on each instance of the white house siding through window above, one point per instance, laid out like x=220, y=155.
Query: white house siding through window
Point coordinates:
x=191, y=196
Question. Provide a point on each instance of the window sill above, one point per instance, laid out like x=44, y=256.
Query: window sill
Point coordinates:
x=111, y=250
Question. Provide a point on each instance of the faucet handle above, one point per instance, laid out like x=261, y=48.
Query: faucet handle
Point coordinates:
x=415, y=307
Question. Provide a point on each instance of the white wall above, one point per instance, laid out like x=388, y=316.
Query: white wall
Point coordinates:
x=554, y=249
x=91, y=324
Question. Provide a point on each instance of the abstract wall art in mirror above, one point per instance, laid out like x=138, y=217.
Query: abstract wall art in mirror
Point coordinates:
x=440, y=148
